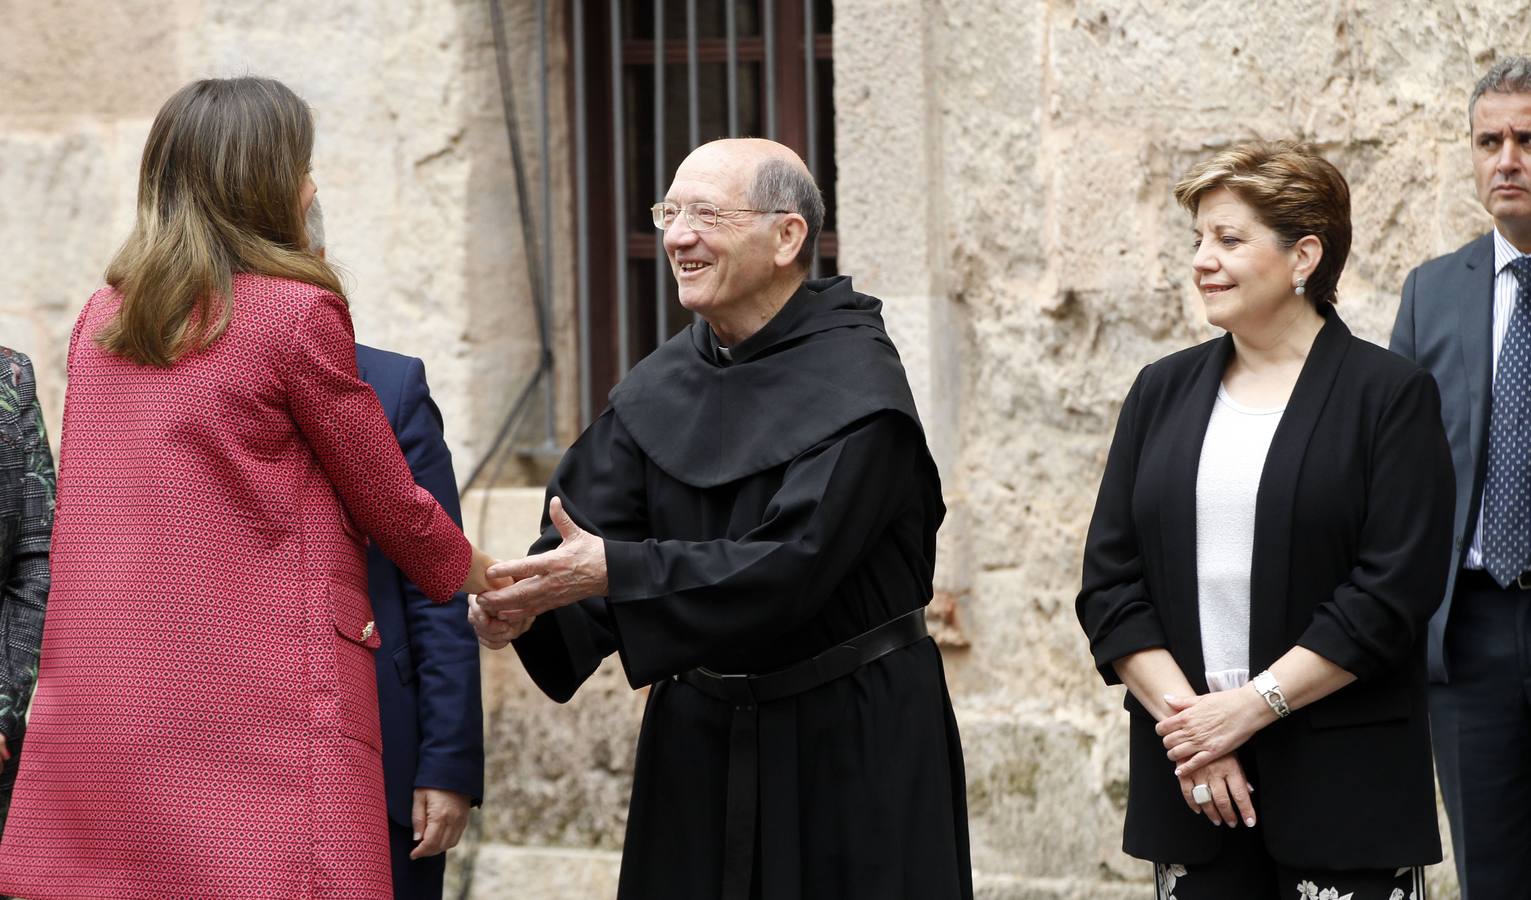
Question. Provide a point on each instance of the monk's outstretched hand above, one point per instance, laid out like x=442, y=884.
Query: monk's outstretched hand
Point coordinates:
x=546, y=581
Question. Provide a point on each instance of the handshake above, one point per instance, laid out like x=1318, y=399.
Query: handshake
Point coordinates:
x=506, y=597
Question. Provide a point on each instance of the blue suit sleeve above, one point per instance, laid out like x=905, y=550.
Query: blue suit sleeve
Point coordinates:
x=442, y=643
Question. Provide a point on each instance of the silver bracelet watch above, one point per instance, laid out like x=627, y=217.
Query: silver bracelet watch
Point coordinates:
x=1270, y=689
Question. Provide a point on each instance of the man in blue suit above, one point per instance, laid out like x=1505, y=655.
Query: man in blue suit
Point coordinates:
x=427, y=666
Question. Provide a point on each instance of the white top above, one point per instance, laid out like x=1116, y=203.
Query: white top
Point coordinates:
x=1227, y=484
x=1505, y=288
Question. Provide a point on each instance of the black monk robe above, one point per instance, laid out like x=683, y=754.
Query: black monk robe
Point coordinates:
x=1352, y=539
x=758, y=511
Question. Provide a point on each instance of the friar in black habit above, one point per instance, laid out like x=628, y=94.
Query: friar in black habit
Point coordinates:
x=751, y=526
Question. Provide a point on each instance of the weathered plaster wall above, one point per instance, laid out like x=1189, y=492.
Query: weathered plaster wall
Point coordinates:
x=411, y=160
x=1025, y=151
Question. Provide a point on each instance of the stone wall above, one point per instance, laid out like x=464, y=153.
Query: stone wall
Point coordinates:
x=1004, y=173
x=411, y=160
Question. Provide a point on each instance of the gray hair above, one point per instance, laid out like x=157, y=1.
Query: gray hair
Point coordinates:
x=780, y=185
x=315, y=227
x=1511, y=75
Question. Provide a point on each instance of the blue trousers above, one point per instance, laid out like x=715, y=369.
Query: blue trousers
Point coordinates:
x=414, y=879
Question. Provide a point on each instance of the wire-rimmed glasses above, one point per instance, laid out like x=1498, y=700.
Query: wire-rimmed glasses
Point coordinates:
x=700, y=215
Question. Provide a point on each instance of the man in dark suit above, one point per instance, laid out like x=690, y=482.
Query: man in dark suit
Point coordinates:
x=26, y=524
x=1467, y=318
x=427, y=666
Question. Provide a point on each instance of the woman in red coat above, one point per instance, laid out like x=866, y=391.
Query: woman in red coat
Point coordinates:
x=206, y=722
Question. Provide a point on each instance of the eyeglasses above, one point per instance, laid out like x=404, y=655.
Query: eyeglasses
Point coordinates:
x=699, y=216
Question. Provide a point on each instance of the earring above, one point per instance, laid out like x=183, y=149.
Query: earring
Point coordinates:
x=1301, y=286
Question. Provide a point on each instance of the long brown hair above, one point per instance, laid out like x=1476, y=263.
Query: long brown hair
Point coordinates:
x=218, y=194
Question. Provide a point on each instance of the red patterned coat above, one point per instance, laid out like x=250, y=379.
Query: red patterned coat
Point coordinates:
x=206, y=722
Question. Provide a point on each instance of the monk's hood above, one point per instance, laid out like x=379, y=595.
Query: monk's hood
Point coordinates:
x=823, y=363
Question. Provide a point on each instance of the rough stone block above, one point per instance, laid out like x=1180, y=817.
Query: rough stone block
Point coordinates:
x=411, y=163
x=1044, y=796
x=69, y=201
x=502, y=872
x=556, y=773
x=990, y=888
x=65, y=58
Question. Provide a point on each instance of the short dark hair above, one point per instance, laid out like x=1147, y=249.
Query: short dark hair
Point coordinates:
x=779, y=184
x=1511, y=75
x=1293, y=190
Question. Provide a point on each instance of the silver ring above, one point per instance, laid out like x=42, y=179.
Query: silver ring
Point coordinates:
x=1201, y=794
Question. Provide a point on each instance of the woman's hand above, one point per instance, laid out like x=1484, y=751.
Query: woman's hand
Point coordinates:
x=478, y=580
x=1231, y=801
x=493, y=632
x=1211, y=726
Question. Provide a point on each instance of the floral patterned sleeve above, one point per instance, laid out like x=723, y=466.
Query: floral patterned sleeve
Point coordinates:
x=27, y=484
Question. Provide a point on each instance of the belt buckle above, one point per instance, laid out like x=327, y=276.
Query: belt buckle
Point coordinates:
x=722, y=676
x=1522, y=582
x=736, y=686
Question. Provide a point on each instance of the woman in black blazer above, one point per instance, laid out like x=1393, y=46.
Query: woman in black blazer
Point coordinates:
x=1277, y=503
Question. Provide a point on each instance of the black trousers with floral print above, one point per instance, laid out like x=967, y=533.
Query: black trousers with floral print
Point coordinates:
x=1244, y=870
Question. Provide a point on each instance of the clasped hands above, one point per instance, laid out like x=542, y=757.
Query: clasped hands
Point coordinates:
x=522, y=589
x=1201, y=736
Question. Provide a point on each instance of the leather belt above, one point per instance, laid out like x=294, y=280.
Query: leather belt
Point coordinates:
x=746, y=693
x=1478, y=579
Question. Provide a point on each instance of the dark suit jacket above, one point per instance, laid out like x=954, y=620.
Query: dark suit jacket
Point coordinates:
x=26, y=525
x=427, y=666
x=1446, y=324
x=1352, y=523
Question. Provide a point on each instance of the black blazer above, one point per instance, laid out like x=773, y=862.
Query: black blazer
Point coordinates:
x=1352, y=526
